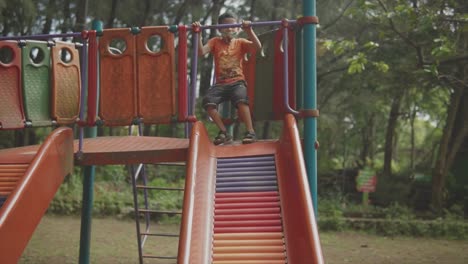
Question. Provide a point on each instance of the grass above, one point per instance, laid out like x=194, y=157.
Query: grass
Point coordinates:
x=56, y=241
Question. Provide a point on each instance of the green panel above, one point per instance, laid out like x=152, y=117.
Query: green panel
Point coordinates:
x=264, y=68
x=36, y=80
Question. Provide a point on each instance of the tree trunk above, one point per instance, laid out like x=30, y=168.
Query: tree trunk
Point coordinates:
x=6, y=22
x=51, y=9
x=81, y=14
x=413, y=144
x=438, y=175
x=181, y=12
x=110, y=21
x=252, y=9
x=367, y=134
x=391, y=126
x=146, y=11
x=455, y=132
x=66, y=15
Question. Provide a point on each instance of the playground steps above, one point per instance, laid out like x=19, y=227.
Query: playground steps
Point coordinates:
x=247, y=216
x=144, y=213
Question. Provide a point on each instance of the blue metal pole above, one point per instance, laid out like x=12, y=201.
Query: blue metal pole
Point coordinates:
x=310, y=99
x=88, y=190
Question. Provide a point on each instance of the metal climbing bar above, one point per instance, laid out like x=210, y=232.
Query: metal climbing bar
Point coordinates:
x=253, y=24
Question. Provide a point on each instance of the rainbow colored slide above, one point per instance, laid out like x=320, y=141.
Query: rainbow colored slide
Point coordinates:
x=248, y=204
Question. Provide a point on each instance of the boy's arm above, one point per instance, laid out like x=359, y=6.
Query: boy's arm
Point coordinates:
x=246, y=25
x=202, y=49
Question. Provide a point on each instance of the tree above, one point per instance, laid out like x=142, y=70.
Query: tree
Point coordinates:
x=433, y=31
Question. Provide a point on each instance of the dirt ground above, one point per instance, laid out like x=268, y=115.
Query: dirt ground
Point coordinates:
x=57, y=239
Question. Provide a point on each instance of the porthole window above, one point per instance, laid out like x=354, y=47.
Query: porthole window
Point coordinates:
x=6, y=55
x=36, y=55
x=117, y=46
x=154, y=43
x=66, y=55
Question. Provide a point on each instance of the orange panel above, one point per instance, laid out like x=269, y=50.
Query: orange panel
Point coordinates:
x=11, y=106
x=66, y=83
x=156, y=75
x=117, y=101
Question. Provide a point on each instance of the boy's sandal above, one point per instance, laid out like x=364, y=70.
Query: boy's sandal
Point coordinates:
x=222, y=137
x=250, y=137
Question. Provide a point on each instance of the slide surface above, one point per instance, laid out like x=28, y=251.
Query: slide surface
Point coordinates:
x=248, y=203
x=27, y=186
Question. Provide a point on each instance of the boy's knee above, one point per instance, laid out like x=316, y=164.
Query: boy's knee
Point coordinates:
x=209, y=106
x=241, y=102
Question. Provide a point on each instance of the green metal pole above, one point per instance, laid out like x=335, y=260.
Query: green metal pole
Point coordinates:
x=88, y=189
x=86, y=211
x=310, y=100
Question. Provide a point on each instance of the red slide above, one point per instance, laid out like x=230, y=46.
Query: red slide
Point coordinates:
x=27, y=186
x=248, y=204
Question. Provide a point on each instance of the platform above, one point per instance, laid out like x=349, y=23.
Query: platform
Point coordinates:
x=112, y=150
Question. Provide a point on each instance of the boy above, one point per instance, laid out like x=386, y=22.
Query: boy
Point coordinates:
x=230, y=84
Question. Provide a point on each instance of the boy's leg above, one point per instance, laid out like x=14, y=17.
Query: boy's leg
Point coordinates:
x=244, y=113
x=213, y=113
x=222, y=136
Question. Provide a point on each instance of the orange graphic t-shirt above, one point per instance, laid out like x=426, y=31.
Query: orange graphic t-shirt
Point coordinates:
x=228, y=59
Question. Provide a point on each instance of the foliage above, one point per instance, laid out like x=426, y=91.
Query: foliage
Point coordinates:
x=394, y=220
x=113, y=195
x=332, y=215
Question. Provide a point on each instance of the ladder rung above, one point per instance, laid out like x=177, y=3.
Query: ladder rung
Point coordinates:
x=158, y=257
x=159, y=234
x=159, y=188
x=159, y=211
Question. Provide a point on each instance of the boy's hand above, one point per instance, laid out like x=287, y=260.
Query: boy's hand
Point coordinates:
x=246, y=24
x=196, y=24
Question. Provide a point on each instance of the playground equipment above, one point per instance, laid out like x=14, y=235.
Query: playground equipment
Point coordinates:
x=242, y=203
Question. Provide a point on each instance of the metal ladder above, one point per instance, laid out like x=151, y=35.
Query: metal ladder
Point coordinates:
x=140, y=184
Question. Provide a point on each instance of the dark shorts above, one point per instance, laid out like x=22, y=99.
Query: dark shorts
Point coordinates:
x=235, y=92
